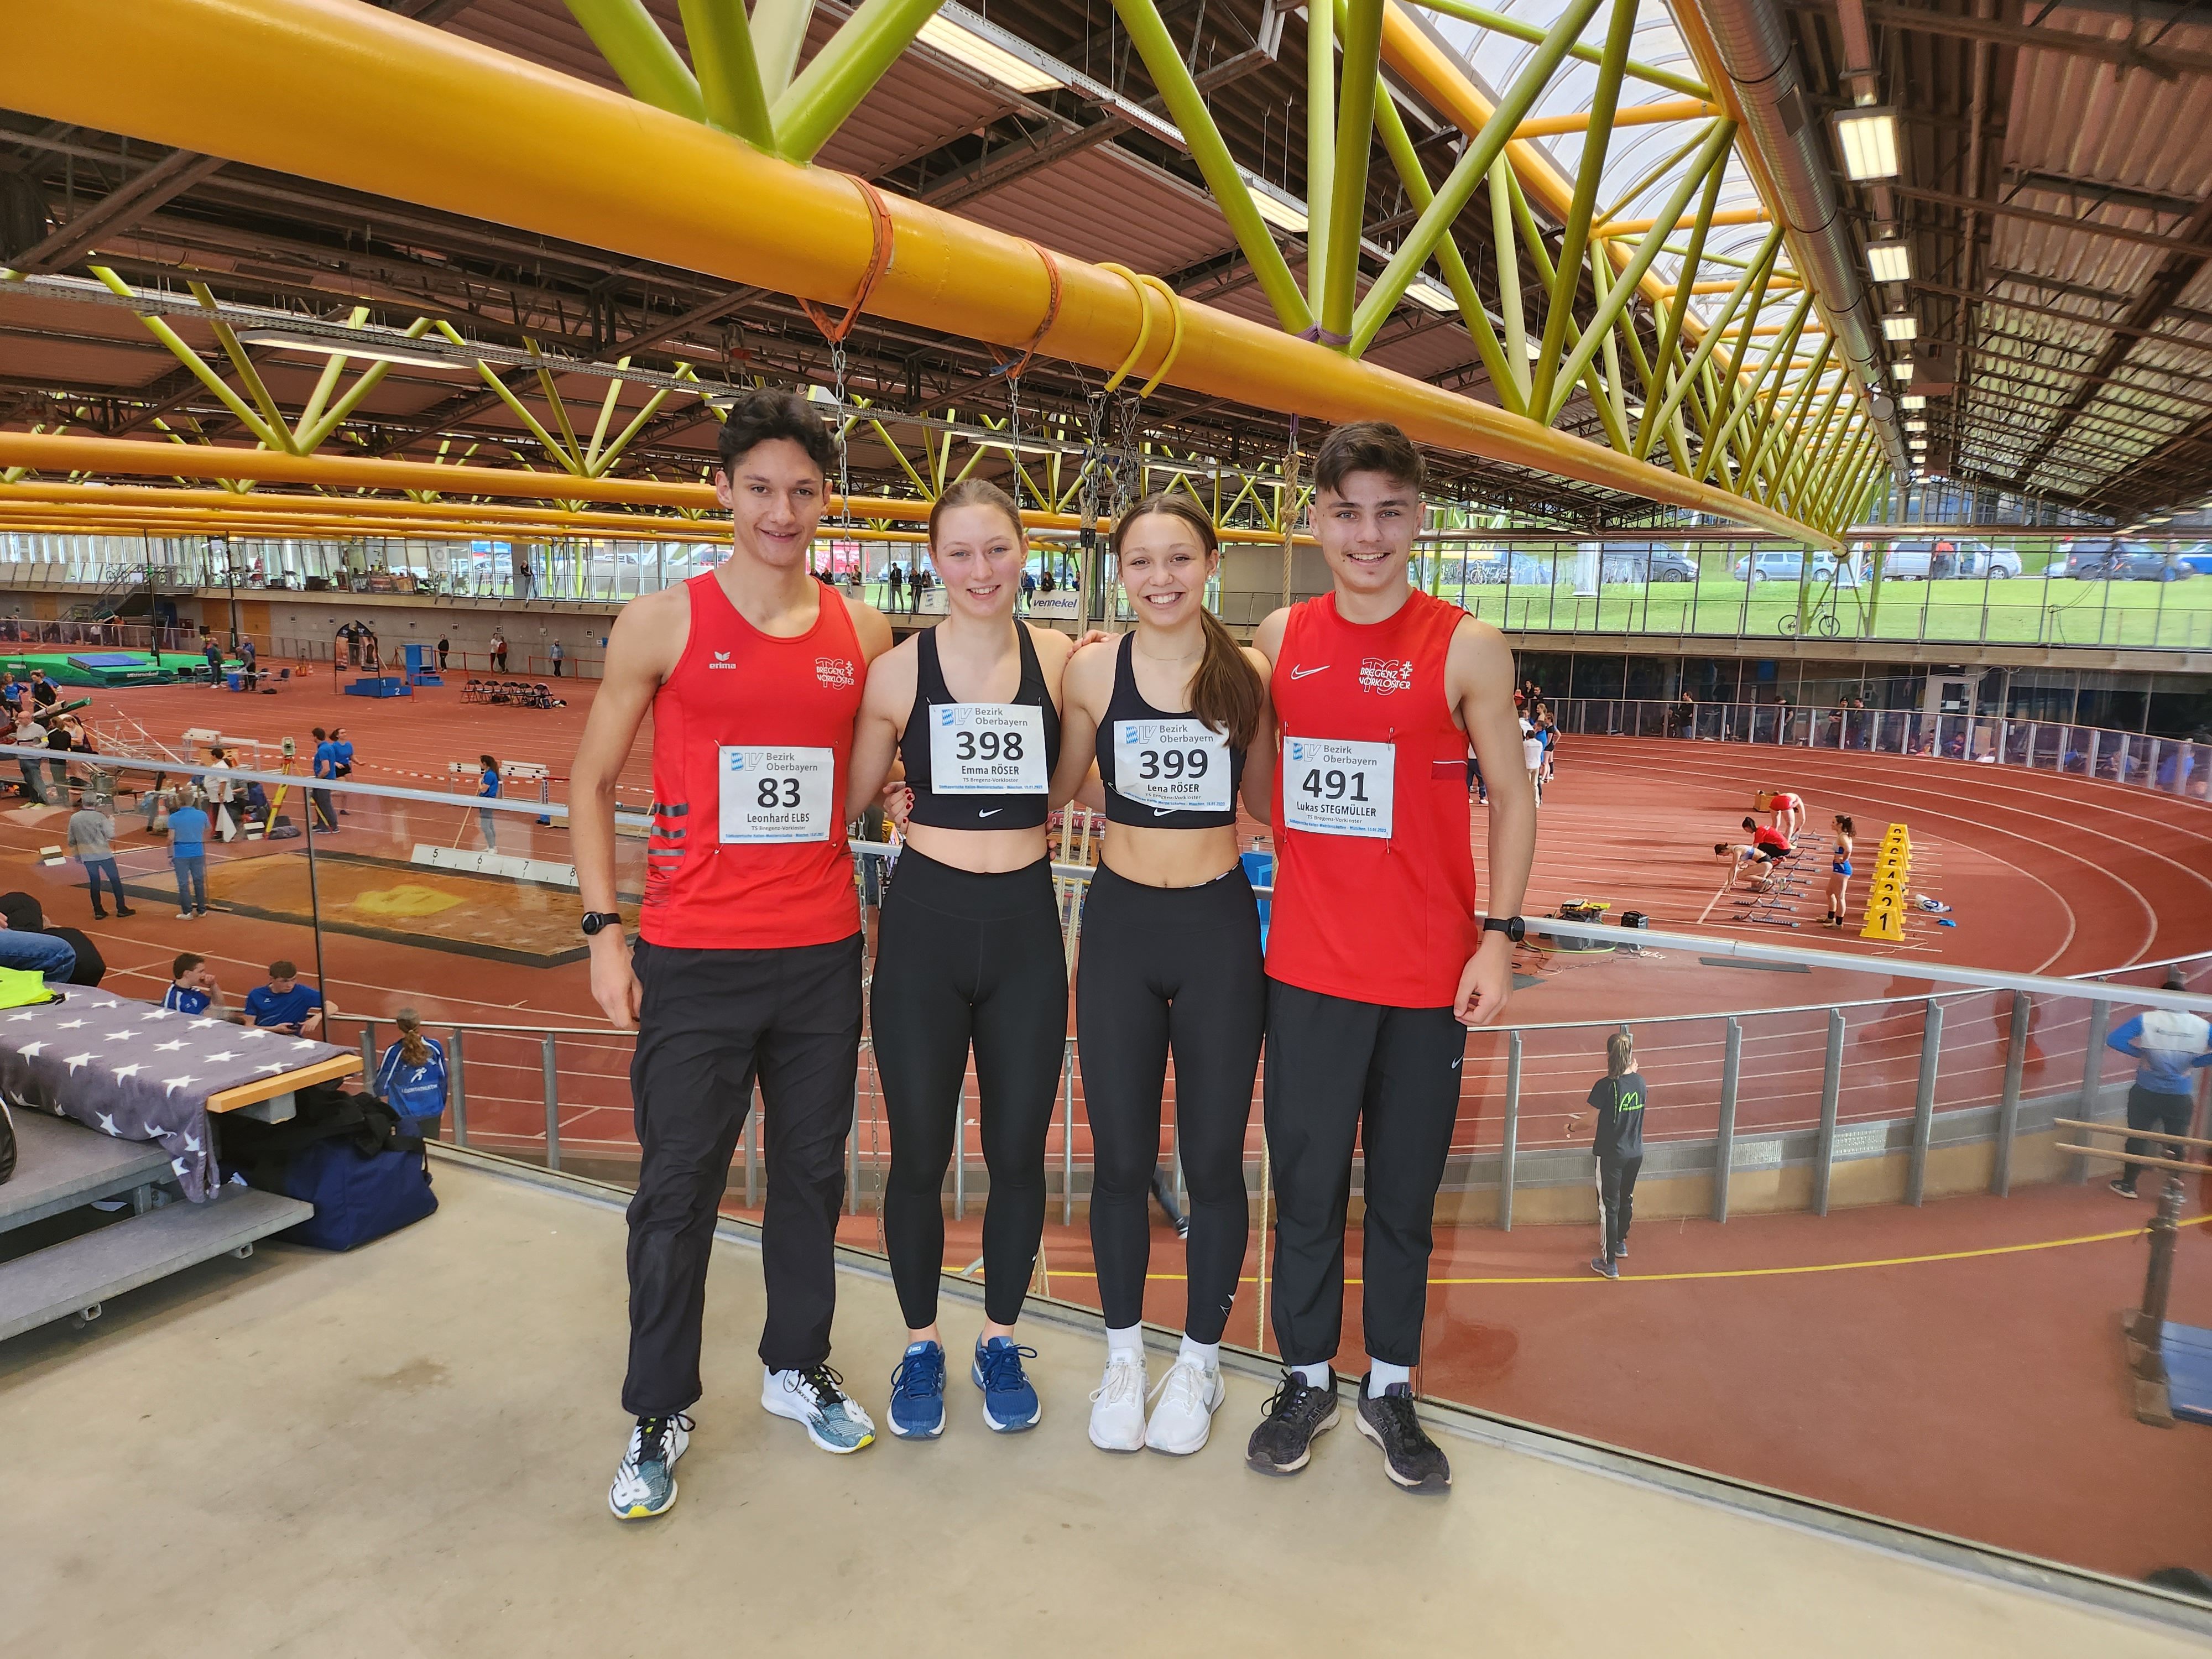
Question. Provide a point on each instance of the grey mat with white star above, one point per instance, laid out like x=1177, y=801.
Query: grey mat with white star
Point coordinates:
x=140, y=1073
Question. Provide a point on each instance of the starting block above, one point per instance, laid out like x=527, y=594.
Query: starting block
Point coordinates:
x=1887, y=887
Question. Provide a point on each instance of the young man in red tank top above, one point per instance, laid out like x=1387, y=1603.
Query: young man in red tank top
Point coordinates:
x=748, y=962
x=1377, y=963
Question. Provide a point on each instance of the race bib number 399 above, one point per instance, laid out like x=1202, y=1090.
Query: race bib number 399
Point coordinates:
x=777, y=794
x=1335, y=787
x=987, y=749
x=1171, y=764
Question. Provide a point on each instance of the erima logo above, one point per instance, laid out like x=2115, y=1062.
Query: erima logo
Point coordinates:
x=833, y=670
x=1300, y=673
x=721, y=660
x=1382, y=674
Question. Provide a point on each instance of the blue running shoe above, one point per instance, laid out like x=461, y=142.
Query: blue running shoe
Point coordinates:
x=644, y=1484
x=1010, y=1404
x=918, y=1393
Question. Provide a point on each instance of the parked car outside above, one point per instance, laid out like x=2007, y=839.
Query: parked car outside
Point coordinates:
x=2199, y=558
x=1642, y=561
x=2113, y=558
x=1492, y=567
x=1787, y=564
x=1939, y=558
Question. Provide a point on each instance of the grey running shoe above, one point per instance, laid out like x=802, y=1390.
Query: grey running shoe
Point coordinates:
x=1409, y=1457
x=1296, y=1411
x=815, y=1397
x=1603, y=1268
x=644, y=1484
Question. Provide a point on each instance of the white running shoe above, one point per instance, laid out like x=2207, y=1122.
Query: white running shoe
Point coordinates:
x=1117, y=1404
x=1183, y=1415
x=816, y=1397
x=645, y=1484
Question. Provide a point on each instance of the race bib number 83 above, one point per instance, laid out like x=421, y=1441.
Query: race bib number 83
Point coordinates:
x=1336, y=786
x=987, y=749
x=777, y=794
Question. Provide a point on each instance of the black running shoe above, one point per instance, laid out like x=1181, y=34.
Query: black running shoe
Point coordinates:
x=1409, y=1457
x=1282, y=1443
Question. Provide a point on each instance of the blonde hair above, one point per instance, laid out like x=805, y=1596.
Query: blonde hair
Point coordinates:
x=412, y=1048
x=1619, y=1055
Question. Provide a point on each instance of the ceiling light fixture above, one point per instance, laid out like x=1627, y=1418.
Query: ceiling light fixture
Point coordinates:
x=1890, y=262
x=1900, y=325
x=393, y=349
x=1277, y=209
x=1867, y=139
x=986, y=59
x=1915, y=426
x=1912, y=400
x=1422, y=291
x=1901, y=371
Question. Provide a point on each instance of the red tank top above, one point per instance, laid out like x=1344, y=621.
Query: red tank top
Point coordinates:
x=1374, y=872
x=762, y=726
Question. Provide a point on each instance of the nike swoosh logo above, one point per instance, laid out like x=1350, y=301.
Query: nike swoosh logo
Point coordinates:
x=1455, y=1063
x=1300, y=673
x=1162, y=811
x=992, y=813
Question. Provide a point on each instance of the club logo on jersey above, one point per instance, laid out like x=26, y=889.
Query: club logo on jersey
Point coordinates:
x=1382, y=674
x=946, y=716
x=721, y=660
x=834, y=670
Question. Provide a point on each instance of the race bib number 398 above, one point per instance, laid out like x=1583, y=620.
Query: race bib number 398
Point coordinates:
x=987, y=749
x=777, y=794
x=1336, y=786
x=1171, y=764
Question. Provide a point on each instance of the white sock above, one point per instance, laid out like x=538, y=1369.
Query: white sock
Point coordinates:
x=1130, y=1340
x=1381, y=1374
x=1206, y=1356
x=1316, y=1377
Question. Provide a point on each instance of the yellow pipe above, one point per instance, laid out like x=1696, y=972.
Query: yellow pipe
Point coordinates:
x=1757, y=216
x=431, y=118
x=1632, y=115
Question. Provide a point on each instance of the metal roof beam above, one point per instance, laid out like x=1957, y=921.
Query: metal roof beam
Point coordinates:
x=2174, y=244
x=116, y=212
x=2165, y=61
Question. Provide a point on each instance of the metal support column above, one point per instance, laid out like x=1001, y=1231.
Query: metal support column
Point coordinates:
x=1831, y=1080
x=1067, y=1136
x=853, y=1153
x=368, y=1053
x=457, y=1075
x=2009, y=1105
x=551, y=1062
x=2092, y=1079
x=1724, y=1147
x=1924, y=1101
x=1512, y=1132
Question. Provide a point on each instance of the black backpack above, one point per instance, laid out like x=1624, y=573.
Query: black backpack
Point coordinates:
x=262, y=1151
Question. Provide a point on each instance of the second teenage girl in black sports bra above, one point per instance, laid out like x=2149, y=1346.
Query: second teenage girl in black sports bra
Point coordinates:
x=1177, y=715
x=970, y=948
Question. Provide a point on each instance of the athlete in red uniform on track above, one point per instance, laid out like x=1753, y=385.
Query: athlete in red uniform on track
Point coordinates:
x=747, y=962
x=1377, y=963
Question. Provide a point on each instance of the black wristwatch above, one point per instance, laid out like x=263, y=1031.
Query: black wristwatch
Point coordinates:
x=1512, y=926
x=595, y=920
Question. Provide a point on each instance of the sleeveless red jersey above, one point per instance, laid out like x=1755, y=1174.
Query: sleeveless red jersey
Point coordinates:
x=765, y=726
x=1374, y=872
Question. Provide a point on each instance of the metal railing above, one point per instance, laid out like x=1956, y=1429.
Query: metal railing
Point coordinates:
x=2171, y=765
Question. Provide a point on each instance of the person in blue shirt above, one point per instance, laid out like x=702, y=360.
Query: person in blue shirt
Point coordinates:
x=188, y=829
x=285, y=1003
x=488, y=789
x=341, y=755
x=318, y=801
x=412, y=1078
x=2168, y=1046
x=193, y=989
x=212, y=650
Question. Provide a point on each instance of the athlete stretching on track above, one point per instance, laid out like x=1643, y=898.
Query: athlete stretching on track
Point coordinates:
x=970, y=952
x=747, y=962
x=1377, y=963
x=1176, y=715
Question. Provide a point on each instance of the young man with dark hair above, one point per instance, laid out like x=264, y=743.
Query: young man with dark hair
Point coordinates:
x=749, y=959
x=1376, y=961
x=192, y=988
x=285, y=1003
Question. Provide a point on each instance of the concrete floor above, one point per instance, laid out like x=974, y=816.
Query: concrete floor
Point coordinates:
x=406, y=1450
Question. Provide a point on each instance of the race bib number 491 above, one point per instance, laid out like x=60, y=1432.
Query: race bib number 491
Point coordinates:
x=1336, y=786
x=777, y=794
x=1171, y=764
x=987, y=749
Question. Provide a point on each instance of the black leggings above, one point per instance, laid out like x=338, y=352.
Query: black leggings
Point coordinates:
x=1169, y=967
x=967, y=957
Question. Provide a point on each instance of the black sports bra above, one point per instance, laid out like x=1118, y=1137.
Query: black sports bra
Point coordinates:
x=981, y=742
x=1173, y=759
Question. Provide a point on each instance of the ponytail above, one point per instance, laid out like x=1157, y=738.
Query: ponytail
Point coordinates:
x=1227, y=693
x=412, y=1048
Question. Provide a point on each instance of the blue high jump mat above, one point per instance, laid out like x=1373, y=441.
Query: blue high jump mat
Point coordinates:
x=2188, y=1351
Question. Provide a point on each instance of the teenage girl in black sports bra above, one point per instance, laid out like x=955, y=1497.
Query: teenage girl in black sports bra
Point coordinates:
x=970, y=949
x=1177, y=715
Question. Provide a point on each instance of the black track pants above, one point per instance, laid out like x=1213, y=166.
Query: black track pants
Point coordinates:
x=713, y=1020
x=1162, y=969
x=1616, y=1200
x=2168, y=1115
x=963, y=959
x=1337, y=1071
